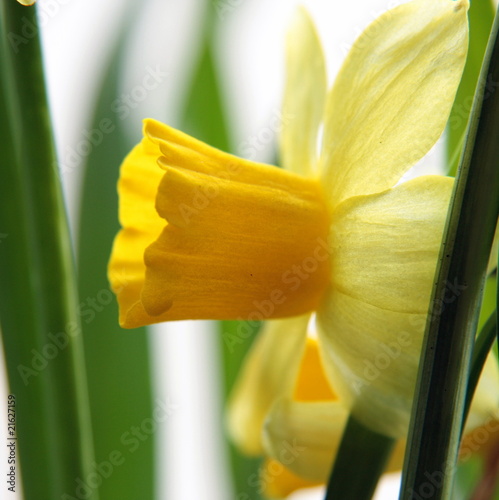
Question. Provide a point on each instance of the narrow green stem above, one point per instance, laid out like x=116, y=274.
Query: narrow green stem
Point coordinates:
x=360, y=461
x=438, y=410
x=40, y=321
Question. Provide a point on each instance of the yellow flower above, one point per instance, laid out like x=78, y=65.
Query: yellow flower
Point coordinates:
x=283, y=407
x=26, y=2
x=332, y=232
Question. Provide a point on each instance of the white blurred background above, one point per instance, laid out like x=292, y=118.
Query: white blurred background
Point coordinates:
x=78, y=36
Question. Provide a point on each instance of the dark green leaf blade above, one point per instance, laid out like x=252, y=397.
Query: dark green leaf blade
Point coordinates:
x=441, y=389
x=18, y=314
x=55, y=438
x=359, y=463
x=237, y=338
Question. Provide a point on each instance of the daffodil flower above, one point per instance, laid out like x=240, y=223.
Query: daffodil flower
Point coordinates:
x=209, y=235
x=283, y=407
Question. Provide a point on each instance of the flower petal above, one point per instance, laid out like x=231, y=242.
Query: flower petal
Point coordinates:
x=385, y=247
x=293, y=429
x=371, y=357
x=384, y=250
x=393, y=95
x=269, y=371
x=305, y=436
x=312, y=384
x=137, y=188
x=277, y=481
x=304, y=96
x=241, y=237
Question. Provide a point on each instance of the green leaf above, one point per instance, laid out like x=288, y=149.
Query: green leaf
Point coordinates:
x=466, y=477
x=18, y=314
x=237, y=338
x=481, y=17
x=203, y=116
x=359, y=463
x=438, y=410
x=489, y=299
x=38, y=310
x=487, y=326
x=118, y=361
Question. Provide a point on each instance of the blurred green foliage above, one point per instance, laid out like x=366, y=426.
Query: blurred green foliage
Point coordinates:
x=118, y=361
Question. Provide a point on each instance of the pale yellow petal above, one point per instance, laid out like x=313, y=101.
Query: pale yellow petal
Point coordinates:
x=371, y=357
x=384, y=248
x=305, y=436
x=384, y=251
x=277, y=481
x=269, y=371
x=302, y=433
x=304, y=96
x=392, y=97
x=241, y=237
x=141, y=225
x=26, y=2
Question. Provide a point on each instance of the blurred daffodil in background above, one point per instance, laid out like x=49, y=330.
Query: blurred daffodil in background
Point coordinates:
x=284, y=408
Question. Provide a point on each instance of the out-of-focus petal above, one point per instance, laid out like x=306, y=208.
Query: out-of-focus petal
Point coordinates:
x=393, y=95
x=269, y=371
x=304, y=96
x=312, y=384
x=277, y=481
x=305, y=436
